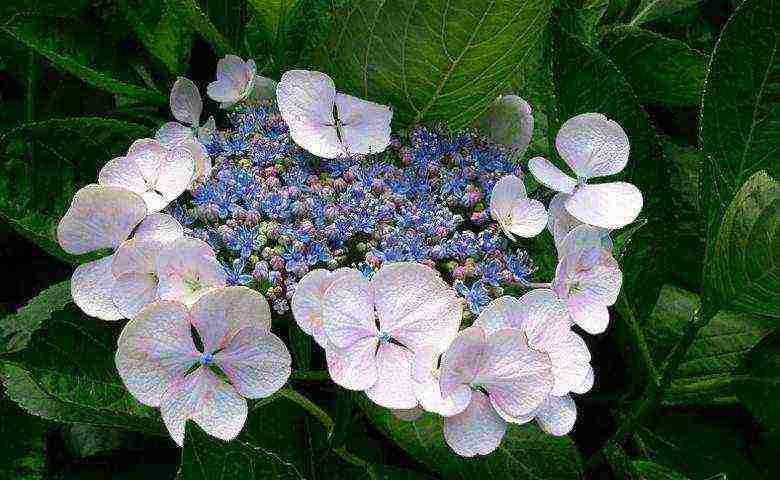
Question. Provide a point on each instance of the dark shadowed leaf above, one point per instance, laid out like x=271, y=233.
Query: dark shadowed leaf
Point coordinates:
x=22, y=456
x=645, y=470
x=17, y=330
x=759, y=386
x=649, y=10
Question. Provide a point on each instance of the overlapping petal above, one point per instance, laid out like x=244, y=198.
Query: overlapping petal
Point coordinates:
x=607, y=205
x=557, y=415
x=478, y=430
x=348, y=311
x=99, y=217
x=462, y=361
x=220, y=313
x=503, y=312
x=187, y=267
x=593, y=145
x=92, y=288
x=510, y=122
x=562, y=222
x=235, y=80
x=364, y=125
x=425, y=373
x=174, y=134
x=551, y=176
x=354, y=367
x=514, y=211
x=394, y=387
x=159, y=227
x=186, y=104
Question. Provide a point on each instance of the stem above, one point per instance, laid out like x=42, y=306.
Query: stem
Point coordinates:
x=328, y=423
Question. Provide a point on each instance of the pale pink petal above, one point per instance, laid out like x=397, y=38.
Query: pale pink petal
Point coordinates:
x=505, y=193
x=461, y=362
x=587, y=383
x=202, y=161
x=159, y=227
x=516, y=214
x=99, y=217
x=205, y=133
x=122, y=172
x=208, y=401
x=364, y=125
x=408, y=414
x=414, y=305
x=607, y=205
x=234, y=80
x=503, y=312
x=562, y=223
x=551, y=176
x=570, y=360
x=174, y=134
x=582, y=239
x=148, y=156
x=592, y=145
x=348, y=311
x=91, y=288
x=221, y=312
x=592, y=316
x=527, y=218
x=306, y=102
x=176, y=171
x=155, y=349
x=353, y=367
x=425, y=374
x=557, y=415
x=154, y=201
x=186, y=104
x=509, y=121
x=478, y=430
x=133, y=291
x=394, y=386
x=136, y=256
x=186, y=268
x=514, y=420
x=543, y=317
x=517, y=378
x=308, y=298
x=256, y=361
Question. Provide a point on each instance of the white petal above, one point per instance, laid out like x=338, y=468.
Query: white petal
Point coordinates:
x=478, y=430
x=174, y=134
x=234, y=77
x=394, y=387
x=159, y=227
x=353, y=367
x=211, y=403
x=202, y=161
x=175, y=175
x=155, y=349
x=99, y=217
x=414, y=305
x=593, y=145
x=136, y=256
x=557, y=415
x=221, y=312
x=205, y=133
x=503, y=312
x=122, y=172
x=364, y=125
x=527, y=218
x=132, y=292
x=511, y=208
x=91, y=287
x=148, y=155
x=186, y=269
x=587, y=382
x=427, y=389
x=461, y=363
x=551, y=176
x=306, y=102
x=591, y=316
x=348, y=311
x=607, y=205
x=256, y=361
x=186, y=104
x=509, y=121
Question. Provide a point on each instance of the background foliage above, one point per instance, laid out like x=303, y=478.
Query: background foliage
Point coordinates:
x=688, y=372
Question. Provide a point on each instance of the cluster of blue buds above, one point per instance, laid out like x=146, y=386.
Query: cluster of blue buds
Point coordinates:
x=272, y=211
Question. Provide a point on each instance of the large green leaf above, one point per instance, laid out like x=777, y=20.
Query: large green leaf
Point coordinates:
x=71, y=45
x=659, y=69
x=192, y=15
x=649, y=10
x=44, y=163
x=645, y=470
x=740, y=123
x=709, y=372
x=758, y=388
x=743, y=269
x=525, y=452
x=432, y=60
x=592, y=83
x=17, y=330
x=67, y=374
x=22, y=456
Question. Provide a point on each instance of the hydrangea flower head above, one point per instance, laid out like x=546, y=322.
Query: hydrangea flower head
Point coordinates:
x=157, y=174
x=307, y=101
x=587, y=278
x=161, y=366
x=514, y=211
x=593, y=146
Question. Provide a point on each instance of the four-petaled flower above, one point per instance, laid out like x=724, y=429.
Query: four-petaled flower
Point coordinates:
x=514, y=211
x=236, y=81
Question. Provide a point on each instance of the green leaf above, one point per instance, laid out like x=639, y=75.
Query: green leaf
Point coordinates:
x=645, y=470
x=271, y=13
x=758, y=388
x=587, y=81
x=660, y=70
x=525, y=452
x=275, y=443
x=740, y=130
x=195, y=18
x=743, y=269
x=650, y=10
x=36, y=190
x=67, y=374
x=37, y=34
x=22, y=455
x=17, y=330
x=709, y=372
x=432, y=60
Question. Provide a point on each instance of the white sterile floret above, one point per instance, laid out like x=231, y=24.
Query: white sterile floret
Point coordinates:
x=509, y=122
x=161, y=367
x=561, y=222
x=587, y=278
x=593, y=146
x=307, y=101
x=371, y=330
x=514, y=211
x=187, y=268
x=157, y=174
x=236, y=81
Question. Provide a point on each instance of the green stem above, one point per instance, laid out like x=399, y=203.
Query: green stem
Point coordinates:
x=328, y=423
